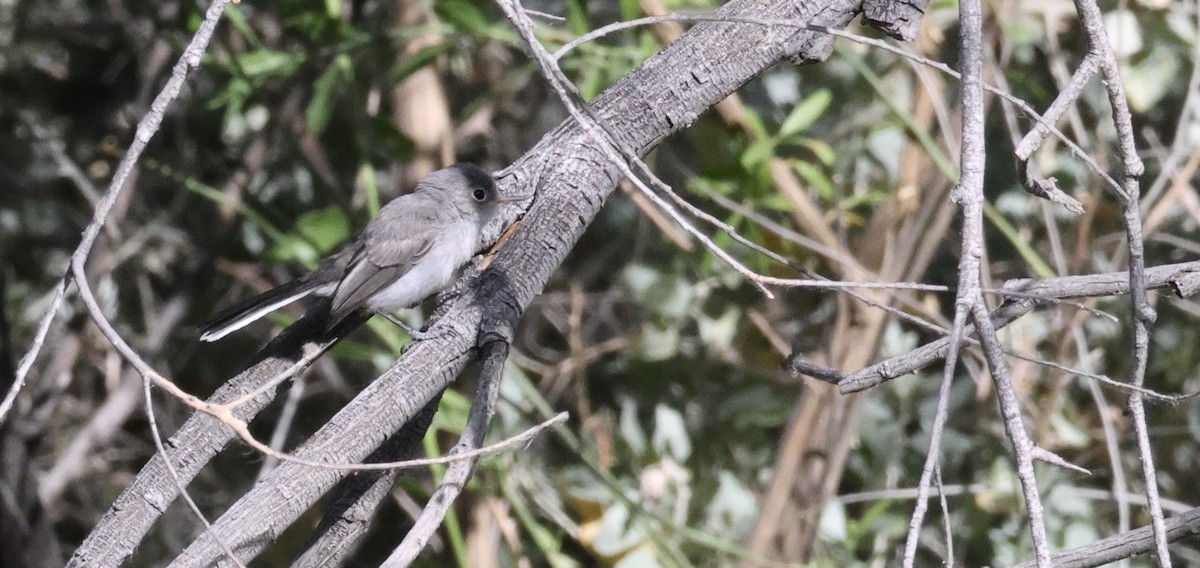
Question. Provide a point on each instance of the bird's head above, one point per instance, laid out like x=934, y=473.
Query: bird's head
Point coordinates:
x=467, y=188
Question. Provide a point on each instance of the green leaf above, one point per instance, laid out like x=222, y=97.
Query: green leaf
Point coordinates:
x=324, y=228
x=577, y=17
x=777, y=202
x=369, y=183
x=344, y=350
x=1040, y=267
x=815, y=177
x=832, y=526
x=1124, y=31
x=418, y=60
x=314, y=234
x=391, y=335
x=591, y=85
x=718, y=333
x=545, y=540
x=333, y=9
x=238, y=20
x=630, y=9
x=806, y=112
x=631, y=429
x=931, y=147
x=452, y=412
x=820, y=149
x=858, y=200
x=317, y=26
x=292, y=248
x=758, y=153
x=232, y=97
x=657, y=343
x=1149, y=78
x=670, y=434
x=1069, y=432
x=754, y=123
x=267, y=63
x=463, y=16
x=732, y=505
x=617, y=535
x=218, y=196
x=320, y=108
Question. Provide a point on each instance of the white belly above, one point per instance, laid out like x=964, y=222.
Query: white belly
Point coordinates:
x=432, y=273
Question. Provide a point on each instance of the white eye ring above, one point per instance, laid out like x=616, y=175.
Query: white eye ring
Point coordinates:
x=479, y=195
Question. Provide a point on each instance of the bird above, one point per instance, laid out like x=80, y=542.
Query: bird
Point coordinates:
x=409, y=252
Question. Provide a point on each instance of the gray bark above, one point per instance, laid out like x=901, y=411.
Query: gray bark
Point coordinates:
x=899, y=19
x=349, y=516
x=573, y=179
x=1124, y=545
x=119, y=532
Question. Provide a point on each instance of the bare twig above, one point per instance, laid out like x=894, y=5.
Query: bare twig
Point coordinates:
x=199, y=439
x=283, y=425
x=932, y=456
x=1023, y=446
x=969, y=302
x=145, y=131
x=946, y=519
x=1048, y=188
x=66, y=165
x=179, y=484
x=345, y=521
x=1046, y=456
x=455, y=479
x=1182, y=145
x=547, y=232
x=518, y=440
x=1125, y=545
x=1111, y=441
x=108, y=419
x=970, y=198
x=1143, y=314
x=1092, y=285
x=101, y=321
x=1025, y=107
x=225, y=411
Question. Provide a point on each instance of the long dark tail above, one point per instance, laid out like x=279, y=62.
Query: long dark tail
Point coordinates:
x=247, y=311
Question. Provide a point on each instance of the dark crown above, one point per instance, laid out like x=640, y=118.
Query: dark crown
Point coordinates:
x=476, y=177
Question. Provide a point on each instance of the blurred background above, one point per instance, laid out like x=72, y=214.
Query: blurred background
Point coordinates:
x=688, y=443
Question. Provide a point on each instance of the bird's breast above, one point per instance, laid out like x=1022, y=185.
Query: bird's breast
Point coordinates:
x=455, y=246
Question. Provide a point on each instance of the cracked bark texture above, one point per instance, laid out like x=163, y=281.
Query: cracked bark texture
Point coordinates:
x=573, y=179
x=354, y=504
x=119, y=532
x=899, y=19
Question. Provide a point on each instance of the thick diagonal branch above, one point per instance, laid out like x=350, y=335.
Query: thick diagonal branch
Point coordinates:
x=572, y=179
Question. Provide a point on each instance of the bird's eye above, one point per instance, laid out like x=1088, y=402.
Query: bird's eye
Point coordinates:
x=479, y=195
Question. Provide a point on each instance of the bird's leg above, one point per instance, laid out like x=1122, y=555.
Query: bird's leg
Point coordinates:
x=410, y=330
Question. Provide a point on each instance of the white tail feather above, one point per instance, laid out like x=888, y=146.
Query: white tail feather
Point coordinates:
x=252, y=316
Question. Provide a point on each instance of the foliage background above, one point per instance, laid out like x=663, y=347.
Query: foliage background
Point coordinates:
x=294, y=132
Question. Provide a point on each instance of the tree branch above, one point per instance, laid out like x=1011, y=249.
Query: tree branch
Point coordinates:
x=495, y=353
x=145, y=131
x=1034, y=293
x=1125, y=545
x=572, y=180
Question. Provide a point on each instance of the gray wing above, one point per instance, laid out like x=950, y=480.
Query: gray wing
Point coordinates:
x=393, y=243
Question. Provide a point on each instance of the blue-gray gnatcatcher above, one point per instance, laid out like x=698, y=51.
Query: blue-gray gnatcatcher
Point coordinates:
x=408, y=253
